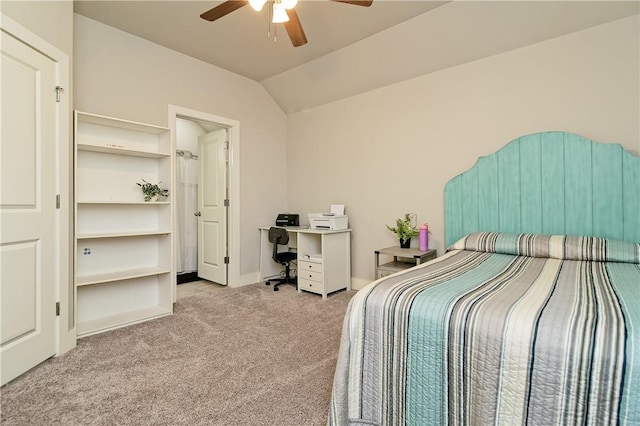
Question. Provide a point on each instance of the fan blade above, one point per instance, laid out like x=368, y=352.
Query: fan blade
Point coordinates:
x=365, y=3
x=223, y=9
x=294, y=29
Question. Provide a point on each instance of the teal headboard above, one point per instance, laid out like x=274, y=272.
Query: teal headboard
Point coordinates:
x=548, y=183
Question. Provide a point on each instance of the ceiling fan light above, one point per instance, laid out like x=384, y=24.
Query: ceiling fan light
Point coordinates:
x=289, y=4
x=257, y=4
x=279, y=14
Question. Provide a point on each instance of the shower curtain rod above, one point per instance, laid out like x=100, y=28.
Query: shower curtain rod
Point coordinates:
x=186, y=153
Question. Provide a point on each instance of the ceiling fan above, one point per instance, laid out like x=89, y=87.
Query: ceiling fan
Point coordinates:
x=283, y=12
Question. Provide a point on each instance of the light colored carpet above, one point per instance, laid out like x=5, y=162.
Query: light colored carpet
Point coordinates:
x=245, y=356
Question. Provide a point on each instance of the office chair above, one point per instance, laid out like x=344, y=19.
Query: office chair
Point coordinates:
x=280, y=236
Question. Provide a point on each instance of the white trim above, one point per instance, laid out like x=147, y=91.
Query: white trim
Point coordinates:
x=233, y=127
x=66, y=333
x=248, y=279
x=359, y=283
x=21, y=33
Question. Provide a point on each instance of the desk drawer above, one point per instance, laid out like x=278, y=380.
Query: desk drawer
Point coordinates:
x=305, y=266
x=310, y=275
x=308, y=285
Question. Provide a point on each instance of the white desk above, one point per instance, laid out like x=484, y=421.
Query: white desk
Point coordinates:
x=324, y=258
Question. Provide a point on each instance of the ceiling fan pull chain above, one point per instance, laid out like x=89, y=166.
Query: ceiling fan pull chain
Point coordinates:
x=275, y=28
x=270, y=11
x=269, y=19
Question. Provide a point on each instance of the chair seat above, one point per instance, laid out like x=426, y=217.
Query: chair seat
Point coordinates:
x=286, y=256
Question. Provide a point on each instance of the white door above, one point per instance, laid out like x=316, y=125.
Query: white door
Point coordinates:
x=27, y=208
x=212, y=212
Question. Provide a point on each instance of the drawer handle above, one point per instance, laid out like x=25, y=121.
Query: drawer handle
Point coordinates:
x=310, y=276
x=310, y=266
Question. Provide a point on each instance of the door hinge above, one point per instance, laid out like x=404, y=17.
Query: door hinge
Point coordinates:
x=226, y=144
x=57, y=309
x=226, y=259
x=226, y=202
x=58, y=201
x=59, y=90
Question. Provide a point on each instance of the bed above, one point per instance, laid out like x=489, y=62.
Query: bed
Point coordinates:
x=532, y=314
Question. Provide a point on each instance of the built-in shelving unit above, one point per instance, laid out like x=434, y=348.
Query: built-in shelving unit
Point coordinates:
x=123, y=245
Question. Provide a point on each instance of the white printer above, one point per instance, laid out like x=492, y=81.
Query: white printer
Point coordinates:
x=335, y=220
x=330, y=221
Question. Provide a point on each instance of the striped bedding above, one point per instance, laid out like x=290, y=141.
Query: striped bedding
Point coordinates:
x=503, y=329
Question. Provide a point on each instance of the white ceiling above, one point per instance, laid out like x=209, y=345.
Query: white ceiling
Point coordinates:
x=351, y=49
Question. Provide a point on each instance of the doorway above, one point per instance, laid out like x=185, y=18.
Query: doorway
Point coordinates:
x=186, y=206
x=190, y=128
x=188, y=213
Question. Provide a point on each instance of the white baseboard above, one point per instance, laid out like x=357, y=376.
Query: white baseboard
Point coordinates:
x=247, y=279
x=359, y=283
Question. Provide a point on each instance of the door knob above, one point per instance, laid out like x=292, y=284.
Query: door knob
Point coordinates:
x=197, y=214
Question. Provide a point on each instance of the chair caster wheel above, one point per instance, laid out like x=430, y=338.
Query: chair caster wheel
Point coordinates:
x=276, y=289
x=267, y=283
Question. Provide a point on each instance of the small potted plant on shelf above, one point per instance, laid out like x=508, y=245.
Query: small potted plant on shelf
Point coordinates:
x=152, y=191
x=405, y=229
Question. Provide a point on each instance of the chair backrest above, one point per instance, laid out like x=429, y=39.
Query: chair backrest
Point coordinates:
x=277, y=236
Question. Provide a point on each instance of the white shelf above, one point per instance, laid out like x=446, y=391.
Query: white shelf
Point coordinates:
x=120, y=151
x=120, y=275
x=125, y=203
x=86, y=328
x=121, y=235
x=103, y=120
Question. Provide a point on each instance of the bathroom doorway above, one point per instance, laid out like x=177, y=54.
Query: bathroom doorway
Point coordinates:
x=190, y=128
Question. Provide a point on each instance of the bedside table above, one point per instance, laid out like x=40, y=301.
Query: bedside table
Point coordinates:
x=408, y=257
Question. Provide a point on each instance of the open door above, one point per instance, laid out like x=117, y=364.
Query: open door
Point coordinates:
x=28, y=217
x=212, y=206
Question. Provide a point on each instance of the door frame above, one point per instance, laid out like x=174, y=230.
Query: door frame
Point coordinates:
x=233, y=225
x=64, y=291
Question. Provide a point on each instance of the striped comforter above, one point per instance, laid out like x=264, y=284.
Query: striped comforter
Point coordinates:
x=503, y=329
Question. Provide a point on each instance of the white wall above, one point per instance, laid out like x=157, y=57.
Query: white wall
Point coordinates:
x=391, y=150
x=187, y=133
x=382, y=153
x=51, y=20
x=120, y=75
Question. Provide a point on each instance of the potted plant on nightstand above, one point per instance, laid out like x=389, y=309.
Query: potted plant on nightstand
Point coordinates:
x=405, y=229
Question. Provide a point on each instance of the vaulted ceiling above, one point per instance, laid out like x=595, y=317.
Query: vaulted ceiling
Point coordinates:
x=351, y=49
